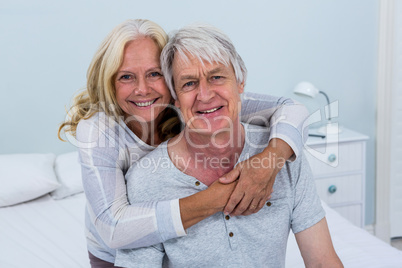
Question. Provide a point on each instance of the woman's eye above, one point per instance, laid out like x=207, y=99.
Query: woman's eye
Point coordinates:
x=155, y=74
x=125, y=77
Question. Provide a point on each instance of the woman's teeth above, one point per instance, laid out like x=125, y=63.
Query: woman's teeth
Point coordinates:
x=144, y=104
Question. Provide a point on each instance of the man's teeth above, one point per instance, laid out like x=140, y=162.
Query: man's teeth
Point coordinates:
x=210, y=111
x=144, y=104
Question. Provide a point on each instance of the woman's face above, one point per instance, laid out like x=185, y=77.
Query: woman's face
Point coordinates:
x=140, y=87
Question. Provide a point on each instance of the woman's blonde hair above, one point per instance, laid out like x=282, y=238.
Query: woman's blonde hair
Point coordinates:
x=100, y=93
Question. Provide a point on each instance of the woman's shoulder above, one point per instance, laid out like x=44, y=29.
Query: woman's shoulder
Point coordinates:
x=94, y=120
x=103, y=130
x=99, y=124
x=87, y=125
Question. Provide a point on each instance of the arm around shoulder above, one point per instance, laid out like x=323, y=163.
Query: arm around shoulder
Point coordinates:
x=201, y=205
x=117, y=222
x=285, y=117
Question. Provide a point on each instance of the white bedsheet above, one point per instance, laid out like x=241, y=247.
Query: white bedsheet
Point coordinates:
x=48, y=233
x=355, y=246
x=44, y=233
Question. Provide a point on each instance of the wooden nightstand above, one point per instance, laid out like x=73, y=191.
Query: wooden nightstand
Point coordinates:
x=338, y=163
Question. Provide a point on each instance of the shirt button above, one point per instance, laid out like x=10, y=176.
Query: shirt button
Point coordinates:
x=231, y=234
x=227, y=217
x=197, y=183
x=269, y=204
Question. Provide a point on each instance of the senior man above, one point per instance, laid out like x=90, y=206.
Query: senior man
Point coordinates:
x=206, y=77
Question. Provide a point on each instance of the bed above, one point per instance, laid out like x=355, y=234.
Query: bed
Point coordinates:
x=44, y=233
x=47, y=230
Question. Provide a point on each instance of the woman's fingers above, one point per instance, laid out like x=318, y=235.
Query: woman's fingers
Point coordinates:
x=230, y=176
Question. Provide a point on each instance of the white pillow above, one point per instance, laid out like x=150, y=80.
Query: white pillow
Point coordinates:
x=68, y=172
x=24, y=177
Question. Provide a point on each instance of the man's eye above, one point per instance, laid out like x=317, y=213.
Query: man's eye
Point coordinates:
x=217, y=79
x=189, y=84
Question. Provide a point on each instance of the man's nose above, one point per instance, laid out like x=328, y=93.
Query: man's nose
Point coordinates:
x=205, y=92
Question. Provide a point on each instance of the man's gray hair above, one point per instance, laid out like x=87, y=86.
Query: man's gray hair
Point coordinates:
x=204, y=42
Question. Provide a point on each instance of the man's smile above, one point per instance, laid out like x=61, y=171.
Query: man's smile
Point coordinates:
x=210, y=110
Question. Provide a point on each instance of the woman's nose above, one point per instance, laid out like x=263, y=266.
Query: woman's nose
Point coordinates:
x=142, y=87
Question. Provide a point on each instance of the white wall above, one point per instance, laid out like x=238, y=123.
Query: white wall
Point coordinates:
x=45, y=49
x=396, y=127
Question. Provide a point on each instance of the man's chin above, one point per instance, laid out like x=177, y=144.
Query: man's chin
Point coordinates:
x=211, y=128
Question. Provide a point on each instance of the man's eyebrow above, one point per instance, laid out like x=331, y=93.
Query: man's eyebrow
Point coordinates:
x=187, y=77
x=192, y=76
x=216, y=70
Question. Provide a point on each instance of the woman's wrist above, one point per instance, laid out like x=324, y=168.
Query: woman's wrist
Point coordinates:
x=279, y=151
x=201, y=205
x=195, y=208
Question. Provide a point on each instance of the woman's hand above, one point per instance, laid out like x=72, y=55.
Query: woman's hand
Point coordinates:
x=220, y=193
x=256, y=178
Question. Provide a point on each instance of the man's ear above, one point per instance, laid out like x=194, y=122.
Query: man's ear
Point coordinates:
x=241, y=87
x=177, y=103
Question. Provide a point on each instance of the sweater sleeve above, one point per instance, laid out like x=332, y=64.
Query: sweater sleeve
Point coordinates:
x=285, y=117
x=120, y=224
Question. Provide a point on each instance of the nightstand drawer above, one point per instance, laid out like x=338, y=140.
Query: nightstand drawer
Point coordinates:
x=340, y=190
x=334, y=158
x=353, y=213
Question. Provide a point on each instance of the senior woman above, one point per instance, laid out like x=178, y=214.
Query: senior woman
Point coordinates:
x=122, y=116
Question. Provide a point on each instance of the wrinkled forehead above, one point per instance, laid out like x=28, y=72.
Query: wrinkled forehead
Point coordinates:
x=187, y=61
x=202, y=55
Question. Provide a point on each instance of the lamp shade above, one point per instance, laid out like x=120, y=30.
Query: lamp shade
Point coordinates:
x=306, y=89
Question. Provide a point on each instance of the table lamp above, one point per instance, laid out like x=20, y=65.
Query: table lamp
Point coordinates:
x=308, y=89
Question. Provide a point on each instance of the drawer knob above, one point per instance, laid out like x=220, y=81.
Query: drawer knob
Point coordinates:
x=331, y=158
x=332, y=189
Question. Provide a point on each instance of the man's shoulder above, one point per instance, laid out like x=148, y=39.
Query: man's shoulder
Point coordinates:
x=153, y=161
x=159, y=151
x=153, y=177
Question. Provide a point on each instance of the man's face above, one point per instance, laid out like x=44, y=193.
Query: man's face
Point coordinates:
x=207, y=94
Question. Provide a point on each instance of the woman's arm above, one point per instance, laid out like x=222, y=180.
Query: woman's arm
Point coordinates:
x=201, y=205
x=119, y=224
x=285, y=118
x=288, y=133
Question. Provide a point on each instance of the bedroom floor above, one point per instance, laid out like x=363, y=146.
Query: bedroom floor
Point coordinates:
x=397, y=243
